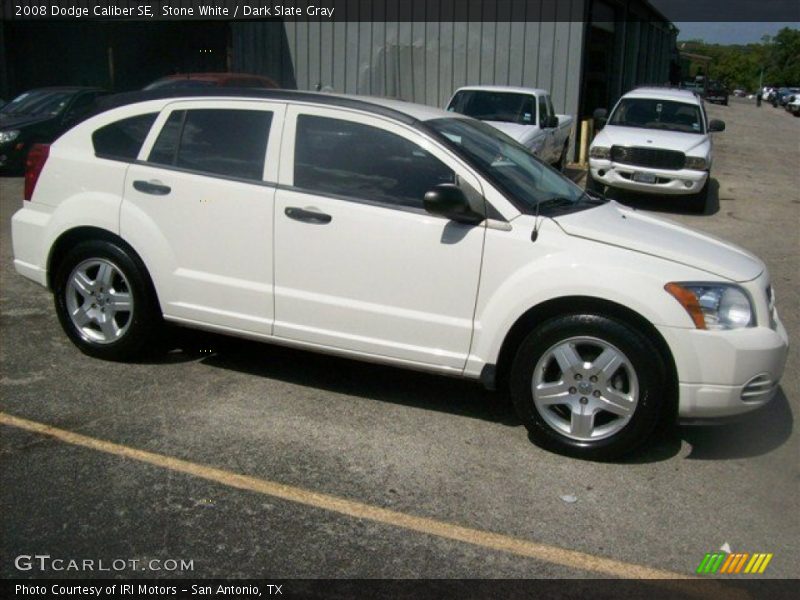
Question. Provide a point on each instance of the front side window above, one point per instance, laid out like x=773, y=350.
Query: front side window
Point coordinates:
x=648, y=113
x=123, y=139
x=228, y=142
x=344, y=158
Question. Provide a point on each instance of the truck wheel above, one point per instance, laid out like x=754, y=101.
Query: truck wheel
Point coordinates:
x=104, y=301
x=587, y=386
x=593, y=185
x=698, y=201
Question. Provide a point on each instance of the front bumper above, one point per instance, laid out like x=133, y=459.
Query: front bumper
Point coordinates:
x=726, y=373
x=618, y=175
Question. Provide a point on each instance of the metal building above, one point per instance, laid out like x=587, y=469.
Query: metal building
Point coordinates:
x=586, y=52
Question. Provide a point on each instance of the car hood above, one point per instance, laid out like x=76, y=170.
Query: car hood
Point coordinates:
x=613, y=135
x=614, y=224
x=17, y=121
x=515, y=130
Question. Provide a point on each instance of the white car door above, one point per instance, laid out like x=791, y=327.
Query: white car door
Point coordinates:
x=359, y=264
x=199, y=204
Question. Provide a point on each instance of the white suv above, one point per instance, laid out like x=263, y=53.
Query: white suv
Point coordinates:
x=395, y=233
x=656, y=141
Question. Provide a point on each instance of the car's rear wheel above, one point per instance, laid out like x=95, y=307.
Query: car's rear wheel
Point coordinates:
x=104, y=301
x=587, y=386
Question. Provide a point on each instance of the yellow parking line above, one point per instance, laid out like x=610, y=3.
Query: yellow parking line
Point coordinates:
x=493, y=541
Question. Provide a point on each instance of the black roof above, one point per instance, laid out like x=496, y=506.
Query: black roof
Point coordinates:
x=116, y=100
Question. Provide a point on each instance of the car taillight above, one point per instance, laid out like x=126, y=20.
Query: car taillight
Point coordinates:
x=33, y=167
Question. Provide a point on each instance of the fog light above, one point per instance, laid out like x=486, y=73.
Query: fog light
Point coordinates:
x=602, y=172
x=688, y=184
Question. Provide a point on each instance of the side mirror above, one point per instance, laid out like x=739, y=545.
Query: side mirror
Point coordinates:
x=716, y=125
x=550, y=122
x=448, y=200
x=600, y=116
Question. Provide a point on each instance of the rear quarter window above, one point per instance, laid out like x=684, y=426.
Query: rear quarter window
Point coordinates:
x=123, y=139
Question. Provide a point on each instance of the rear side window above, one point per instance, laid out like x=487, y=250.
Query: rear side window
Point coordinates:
x=226, y=142
x=123, y=139
x=359, y=161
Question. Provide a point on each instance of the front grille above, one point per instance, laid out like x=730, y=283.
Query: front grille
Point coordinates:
x=758, y=389
x=648, y=157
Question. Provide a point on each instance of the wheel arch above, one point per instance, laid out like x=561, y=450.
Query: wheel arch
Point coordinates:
x=566, y=305
x=71, y=237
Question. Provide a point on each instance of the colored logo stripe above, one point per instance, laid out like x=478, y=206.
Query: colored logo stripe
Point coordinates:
x=734, y=563
x=758, y=563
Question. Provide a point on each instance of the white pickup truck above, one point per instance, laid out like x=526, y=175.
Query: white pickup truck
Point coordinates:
x=656, y=141
x=525, y=114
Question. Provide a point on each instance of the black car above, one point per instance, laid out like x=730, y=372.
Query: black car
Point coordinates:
x=716, y=92
x=40, y=116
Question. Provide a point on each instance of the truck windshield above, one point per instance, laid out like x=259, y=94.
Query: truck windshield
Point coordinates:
x=511, y=167
x=507, y=107
x=650, y=113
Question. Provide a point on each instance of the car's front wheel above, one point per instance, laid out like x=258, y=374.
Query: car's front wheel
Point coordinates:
x=587, y=386
x=104, y=301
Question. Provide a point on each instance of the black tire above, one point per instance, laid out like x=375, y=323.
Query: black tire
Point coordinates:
x=593, y=185
x=139, y=331
x=699, y=201
x=642, y=357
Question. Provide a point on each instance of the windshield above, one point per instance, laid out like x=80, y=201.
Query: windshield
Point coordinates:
x=508, y=165
x=507, y=107
x=42, y=102
x=649, y=113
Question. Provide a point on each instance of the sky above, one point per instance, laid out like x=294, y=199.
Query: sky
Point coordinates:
x=729, y=33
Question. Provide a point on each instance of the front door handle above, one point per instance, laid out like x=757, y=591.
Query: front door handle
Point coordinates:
x=307, y=215
x=156, y=188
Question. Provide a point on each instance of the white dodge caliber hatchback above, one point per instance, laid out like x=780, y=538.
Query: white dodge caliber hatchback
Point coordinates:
x=395, y=233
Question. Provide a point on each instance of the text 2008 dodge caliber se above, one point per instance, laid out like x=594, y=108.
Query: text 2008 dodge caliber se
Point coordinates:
x=396, y=233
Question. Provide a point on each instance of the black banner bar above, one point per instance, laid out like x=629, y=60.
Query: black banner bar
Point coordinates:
x=119, y=589
x=787, y=11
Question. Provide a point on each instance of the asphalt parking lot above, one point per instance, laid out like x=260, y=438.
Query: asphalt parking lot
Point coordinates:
x=449, y=461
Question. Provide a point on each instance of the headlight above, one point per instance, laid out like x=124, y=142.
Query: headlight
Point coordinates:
x=714, y=305
x=698, y=163
x=600, y=152
x=9, y=135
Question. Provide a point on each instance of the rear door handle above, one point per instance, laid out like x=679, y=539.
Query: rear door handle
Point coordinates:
x=307, y=215
x=156, y=188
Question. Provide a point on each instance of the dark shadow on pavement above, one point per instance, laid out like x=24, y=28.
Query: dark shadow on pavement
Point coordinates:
x=753, y=434
x=671, y=204
x=744, y=436
x=344, y=376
